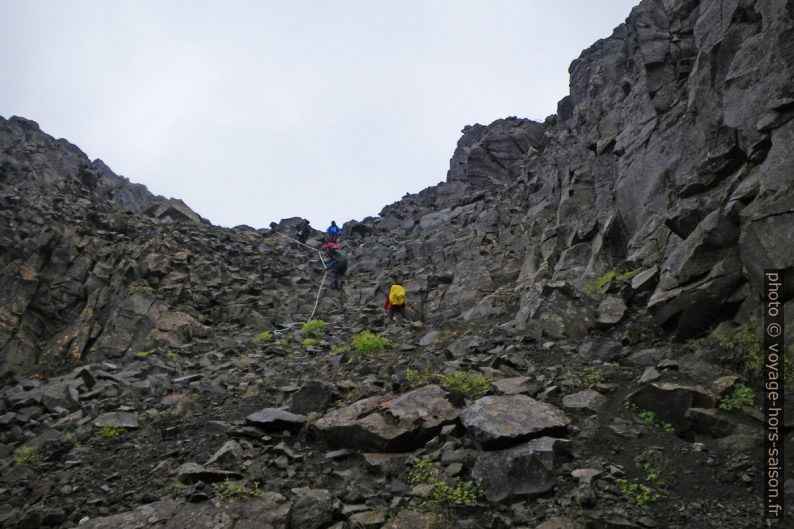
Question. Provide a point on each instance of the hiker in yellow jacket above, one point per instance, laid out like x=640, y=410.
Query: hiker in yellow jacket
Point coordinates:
x=395, y=302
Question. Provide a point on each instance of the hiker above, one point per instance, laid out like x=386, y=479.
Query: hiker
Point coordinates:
x=395, y=301
x=337, y=265
x=333, y=232
x=304, y=229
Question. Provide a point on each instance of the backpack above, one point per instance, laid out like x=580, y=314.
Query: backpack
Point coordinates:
x=397, y=295
x=341, y=262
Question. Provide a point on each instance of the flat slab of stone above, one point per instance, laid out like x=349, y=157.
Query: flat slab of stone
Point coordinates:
x=588, y=399
x=526, y=469
x=501, y=421
x=513, y=386
x=193, y=472
x=429, y=338
x=388, y=423
x=118, y=419
x=276, y=420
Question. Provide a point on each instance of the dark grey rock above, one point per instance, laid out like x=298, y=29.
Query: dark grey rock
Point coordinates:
x=499, y=421
x=276, y=420
x=313, y=396
x=525, y=469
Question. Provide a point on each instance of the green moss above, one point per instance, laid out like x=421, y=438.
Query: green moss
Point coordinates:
x=144, y=354
x=229, y=489
x=740, y=396
x=472, y=386
x=172, y=356
x=108, y=431
x=367, y=343
x=310, y=342
x=265, y=336
x=599, y=282
x=314, y=327
x=25, y=455
x=340, y=349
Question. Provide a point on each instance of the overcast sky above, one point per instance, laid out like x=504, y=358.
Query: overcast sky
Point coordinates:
x=253, y=111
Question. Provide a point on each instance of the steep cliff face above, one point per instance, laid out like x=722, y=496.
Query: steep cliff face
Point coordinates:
x=669, y=157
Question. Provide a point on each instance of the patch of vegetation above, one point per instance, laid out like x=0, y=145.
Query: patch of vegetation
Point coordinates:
x=367, y=342
x=25, y=455
x=310, y=342
x=108, y=431
x=649, y=418
x=444, y=493
x=265, y=336
x=416, y=379
x=588, y=378
x=172, y=356
x=744, y=352
x=313, y=327
x=340, y=349
x=610, y=275
x=472, y=386
x=740, y=396
x=639, y=491
x=144, y=354
x=229, y=489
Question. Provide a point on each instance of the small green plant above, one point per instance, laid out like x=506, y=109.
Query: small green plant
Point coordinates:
x=589, y=378
x=421, y=471
x=472, y=386
x=310, y=342
x=367, y=342
x=230, y=489
x=638, y=491
x=415, y=379
x=109, y=431
x=265, y=336
x=610, y=275
x=740, y=396
x=648, y=417
x=443, y=493
x=652, y=476
x=172, y=356
x=340, y=349
x=144, y=354
x=314, y=327
x=25, y=455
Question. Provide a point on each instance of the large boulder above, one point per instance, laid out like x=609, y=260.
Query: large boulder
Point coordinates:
x=389, y=423
x=671, y=401
x=500, y=421
x=525, y=469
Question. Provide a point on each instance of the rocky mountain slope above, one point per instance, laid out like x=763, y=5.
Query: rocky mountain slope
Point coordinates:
x=588, y=289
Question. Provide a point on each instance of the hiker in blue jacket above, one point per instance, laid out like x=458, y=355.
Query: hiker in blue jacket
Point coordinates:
x=333, y=232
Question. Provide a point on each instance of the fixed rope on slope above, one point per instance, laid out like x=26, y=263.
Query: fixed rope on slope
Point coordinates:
x=322, y=281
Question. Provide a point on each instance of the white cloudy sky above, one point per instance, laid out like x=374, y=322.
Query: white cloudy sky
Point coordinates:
x=253, y=111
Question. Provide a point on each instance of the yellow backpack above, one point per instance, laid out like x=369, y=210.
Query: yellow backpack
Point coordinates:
x=397, y=295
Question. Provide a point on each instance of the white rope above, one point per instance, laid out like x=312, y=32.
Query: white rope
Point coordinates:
x=322, y=282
